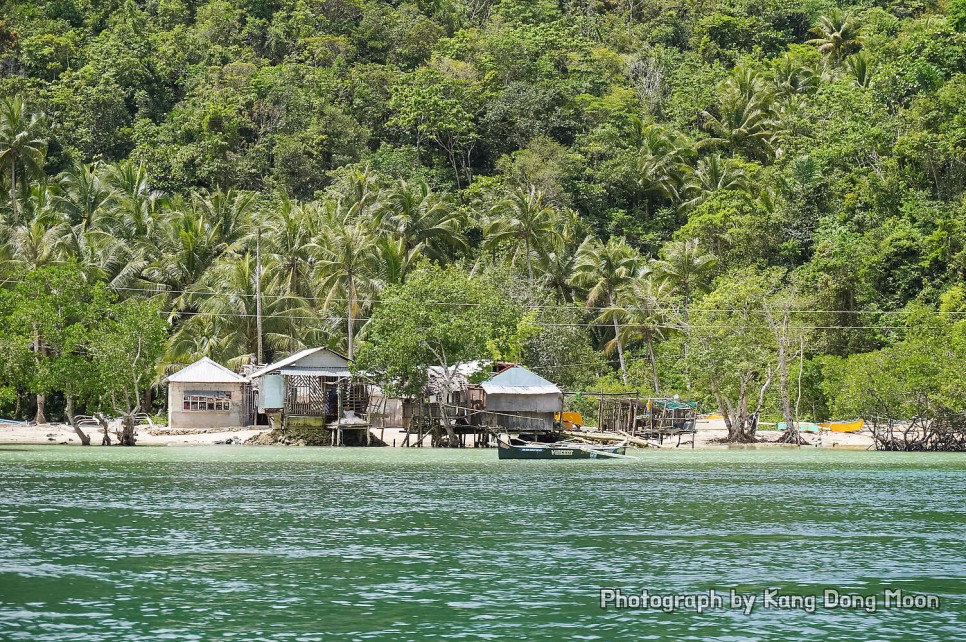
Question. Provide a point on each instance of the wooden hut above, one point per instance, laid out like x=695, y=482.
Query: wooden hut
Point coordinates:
x=518, y=400
x=206, y=394
x=312, y=388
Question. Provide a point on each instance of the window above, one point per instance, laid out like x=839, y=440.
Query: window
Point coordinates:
x=207, y=400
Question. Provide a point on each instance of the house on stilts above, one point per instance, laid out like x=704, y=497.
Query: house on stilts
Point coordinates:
x=512, y=399
x=314, y=389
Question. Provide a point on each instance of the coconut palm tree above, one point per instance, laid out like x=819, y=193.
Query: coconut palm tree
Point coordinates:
x=792, y=78
x=526, y=223
x=837, y=33
x=22, y=144
x=427, y=224
x=187, y=245
x=658, y=165
x=34, y=244
x=713, y=173
x=224, y=324
x=686, y=269
x=289, y=249
x=603, y=270
x=557, y=266
x=639, y=313
x=348, y=265
x=137, y=204
x=85, y=197
x=744, y=117
x=228, y=214
x=858, y=65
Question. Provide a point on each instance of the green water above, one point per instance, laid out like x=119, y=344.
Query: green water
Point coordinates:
x=379, y=544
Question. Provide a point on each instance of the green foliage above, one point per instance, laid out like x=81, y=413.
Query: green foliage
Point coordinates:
x=171, y=148
x=441, y=317
x=65, y=334
x=919, y=374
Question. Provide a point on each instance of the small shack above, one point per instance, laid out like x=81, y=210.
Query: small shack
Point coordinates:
x=518, y=400
x=312, y=389
x=206, y=394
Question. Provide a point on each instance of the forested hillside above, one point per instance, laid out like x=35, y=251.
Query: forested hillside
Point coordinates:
x=731, y=201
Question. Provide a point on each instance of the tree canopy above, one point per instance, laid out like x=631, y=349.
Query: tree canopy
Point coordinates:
x=616, y=171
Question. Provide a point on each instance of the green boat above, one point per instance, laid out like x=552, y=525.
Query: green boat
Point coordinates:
x=509, y=448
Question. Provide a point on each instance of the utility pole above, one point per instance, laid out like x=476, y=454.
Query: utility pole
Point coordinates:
x=260, y=356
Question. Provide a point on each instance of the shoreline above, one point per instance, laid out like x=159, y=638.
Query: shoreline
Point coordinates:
x=708, y=436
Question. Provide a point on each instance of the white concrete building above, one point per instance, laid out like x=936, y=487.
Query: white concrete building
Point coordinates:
x=208, y=395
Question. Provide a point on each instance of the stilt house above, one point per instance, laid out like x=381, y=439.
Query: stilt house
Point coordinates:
x=311, y=388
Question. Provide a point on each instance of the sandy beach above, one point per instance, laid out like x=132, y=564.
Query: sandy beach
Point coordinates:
x=709, y=434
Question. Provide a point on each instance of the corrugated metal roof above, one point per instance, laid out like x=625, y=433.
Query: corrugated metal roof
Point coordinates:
x=316, y=372
x=519, y=381
x=288, y=361
x=496, y=389
x=205, y=370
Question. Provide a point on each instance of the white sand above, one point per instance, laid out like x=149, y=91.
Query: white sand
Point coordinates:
x=64, y=434
x=708, y=431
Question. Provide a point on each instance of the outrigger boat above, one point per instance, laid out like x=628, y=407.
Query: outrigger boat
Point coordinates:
x=512, y=448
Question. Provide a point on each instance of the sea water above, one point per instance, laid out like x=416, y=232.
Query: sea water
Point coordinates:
x=259, y=543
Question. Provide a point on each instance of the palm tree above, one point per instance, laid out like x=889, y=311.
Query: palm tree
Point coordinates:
x=86, y=197
x=394, y=260
x=659, y=162
x=425, y=223
x=21, y=143
x=744, y=117
x=837, y=34
x=604, y=269
x=348, y=265
x=187, y=244
x=289, y=249
x=639, y=311
x=557, y=266
x=858, y=65
x=228, y=214
x=37, y=243
x=224, y=321
x=792, y=78
x=713, y=173
x=686, y=269
x=137, y=204
x=524, y=220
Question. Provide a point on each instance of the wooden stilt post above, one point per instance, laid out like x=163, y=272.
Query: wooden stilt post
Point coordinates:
x=338, y=417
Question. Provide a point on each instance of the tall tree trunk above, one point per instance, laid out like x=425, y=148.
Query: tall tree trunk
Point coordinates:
x=653, y=359
x=41, y=417
x=780, y=328
x=146, y=400
x=14, y=206
x=791, y=428
x=687, y=340
x=105, y=430
x=620, y=347
x=85, y=438
x=529, y=262
x=350, y=321
x=753, y=428
x=259, y=348
x=451, y=438
x=620, y=352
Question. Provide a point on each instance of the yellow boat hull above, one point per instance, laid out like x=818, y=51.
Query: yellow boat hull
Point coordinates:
x=844, y=426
